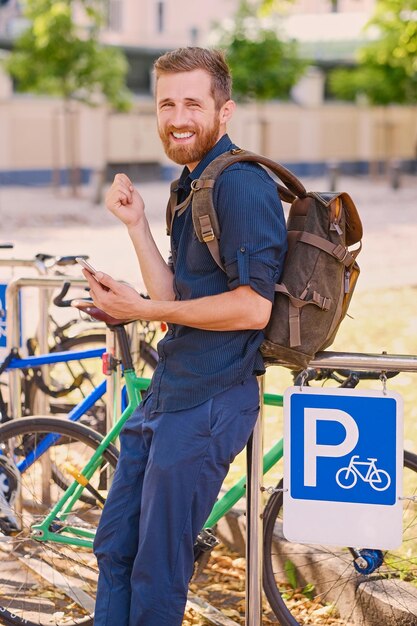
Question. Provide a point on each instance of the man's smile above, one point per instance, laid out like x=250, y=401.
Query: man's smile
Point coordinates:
x=182, y=136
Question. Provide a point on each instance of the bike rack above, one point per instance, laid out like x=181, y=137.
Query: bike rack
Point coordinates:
x=333, y=360
x=14, y=321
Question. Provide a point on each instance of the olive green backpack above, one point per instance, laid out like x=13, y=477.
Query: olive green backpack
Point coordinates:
x=320, y=271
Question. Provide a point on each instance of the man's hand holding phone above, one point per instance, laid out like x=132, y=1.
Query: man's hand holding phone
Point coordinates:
x=115, y=298
x=87, y=266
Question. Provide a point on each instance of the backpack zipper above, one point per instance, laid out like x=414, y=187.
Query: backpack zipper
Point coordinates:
x=347, y=280
x=336, y=215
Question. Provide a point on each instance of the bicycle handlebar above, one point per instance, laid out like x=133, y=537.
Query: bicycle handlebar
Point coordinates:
x=41, y=261
x=59, y=299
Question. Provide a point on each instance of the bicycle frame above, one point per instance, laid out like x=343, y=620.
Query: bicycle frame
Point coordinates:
x=370, y=465
x=63, y=507
x=78, y=411
x=235, y=493
x=18, y=363
x=70, y=535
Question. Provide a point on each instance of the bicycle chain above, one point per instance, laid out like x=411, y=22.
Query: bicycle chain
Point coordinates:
x=71, y=559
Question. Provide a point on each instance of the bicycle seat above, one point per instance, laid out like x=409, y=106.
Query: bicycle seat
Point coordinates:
x=98, y=314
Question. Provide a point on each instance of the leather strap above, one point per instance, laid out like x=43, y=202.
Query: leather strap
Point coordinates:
x=171, y=204
x=210, y=239
x=294, y=307
x=339, y=252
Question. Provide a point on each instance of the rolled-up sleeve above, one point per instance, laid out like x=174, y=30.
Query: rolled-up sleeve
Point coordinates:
x=253, y=239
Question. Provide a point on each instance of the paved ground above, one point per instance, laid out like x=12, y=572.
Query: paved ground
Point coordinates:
x=37, y=219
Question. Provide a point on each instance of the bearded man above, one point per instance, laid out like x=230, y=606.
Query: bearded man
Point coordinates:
x=203, y=401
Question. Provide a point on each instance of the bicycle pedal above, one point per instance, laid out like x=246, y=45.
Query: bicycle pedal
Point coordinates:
x=9, y=527
x=8, y=522
x=205, y=542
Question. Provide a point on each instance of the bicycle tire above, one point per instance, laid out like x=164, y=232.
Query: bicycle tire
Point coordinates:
x=308, y=584
x=53, y=594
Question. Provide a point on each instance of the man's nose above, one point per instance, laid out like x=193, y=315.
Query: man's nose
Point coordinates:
x=180, y=117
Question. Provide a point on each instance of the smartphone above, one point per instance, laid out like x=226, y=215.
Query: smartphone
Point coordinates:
x=86, y=265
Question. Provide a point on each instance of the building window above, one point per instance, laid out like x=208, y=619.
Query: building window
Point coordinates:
x=160, y=16
x=194, y=35
x=114, y=15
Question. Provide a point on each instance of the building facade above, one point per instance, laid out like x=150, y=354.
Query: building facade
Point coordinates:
x=306, y=134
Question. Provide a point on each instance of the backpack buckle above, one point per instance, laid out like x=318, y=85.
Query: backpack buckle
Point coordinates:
x=340, y=252
x=207, y=232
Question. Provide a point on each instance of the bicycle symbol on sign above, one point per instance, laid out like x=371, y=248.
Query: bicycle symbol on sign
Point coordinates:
x=347, y=477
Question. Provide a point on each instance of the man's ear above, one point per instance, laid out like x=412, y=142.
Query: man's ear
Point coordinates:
x=226, y=112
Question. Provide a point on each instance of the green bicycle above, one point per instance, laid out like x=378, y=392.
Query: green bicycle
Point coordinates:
x=48, y=573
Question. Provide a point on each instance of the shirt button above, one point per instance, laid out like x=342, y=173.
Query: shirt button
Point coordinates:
x=243, y=249
x=171, y=331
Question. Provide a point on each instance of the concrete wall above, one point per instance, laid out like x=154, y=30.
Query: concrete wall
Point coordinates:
x=34, y=136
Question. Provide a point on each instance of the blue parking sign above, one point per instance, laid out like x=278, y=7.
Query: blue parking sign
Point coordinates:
x=343, y=457
x=3, y=316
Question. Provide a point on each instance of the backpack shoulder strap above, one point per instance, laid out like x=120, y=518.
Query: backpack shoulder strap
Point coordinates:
x=172, y=202
x=206, y=224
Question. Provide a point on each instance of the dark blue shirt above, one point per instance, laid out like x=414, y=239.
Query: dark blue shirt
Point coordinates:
x=195, y=364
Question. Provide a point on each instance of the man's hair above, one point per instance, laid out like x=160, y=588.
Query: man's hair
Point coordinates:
x=195, y=58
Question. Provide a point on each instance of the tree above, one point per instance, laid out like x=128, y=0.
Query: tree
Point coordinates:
x=60, y=55
x=387, y=66
x=263, y=65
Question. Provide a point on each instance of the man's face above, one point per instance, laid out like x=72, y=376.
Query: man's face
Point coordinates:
x=189, y=124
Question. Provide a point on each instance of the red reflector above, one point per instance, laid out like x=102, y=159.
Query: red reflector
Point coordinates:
x=107, y=364
x=164, y=327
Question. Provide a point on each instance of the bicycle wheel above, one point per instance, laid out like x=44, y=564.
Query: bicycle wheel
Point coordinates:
x=46, y=583
x=311, y=584
x=346, y=478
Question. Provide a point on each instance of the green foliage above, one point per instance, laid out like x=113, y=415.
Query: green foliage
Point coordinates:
x=60, y=55
x=387, y=66
x=263, y=66
x=267, y=6
x=309, y=591
x=291, y=573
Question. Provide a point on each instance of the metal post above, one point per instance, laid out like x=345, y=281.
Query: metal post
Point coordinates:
x=43, y=335
x=254, y=520
x=44, y=404
x=113, y=395
x=13, y=328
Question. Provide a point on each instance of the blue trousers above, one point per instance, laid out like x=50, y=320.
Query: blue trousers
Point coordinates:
x=170, y=471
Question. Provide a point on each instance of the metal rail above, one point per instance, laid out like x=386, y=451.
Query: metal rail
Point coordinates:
x=13, y=324
x=357, y=361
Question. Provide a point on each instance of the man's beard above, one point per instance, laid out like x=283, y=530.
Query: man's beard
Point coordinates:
x=183, y=154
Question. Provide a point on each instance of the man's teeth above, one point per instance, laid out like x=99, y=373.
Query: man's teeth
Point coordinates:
x=182, y=135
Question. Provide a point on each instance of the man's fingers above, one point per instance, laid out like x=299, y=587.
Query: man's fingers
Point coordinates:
x=106, y=280
x=122, y=178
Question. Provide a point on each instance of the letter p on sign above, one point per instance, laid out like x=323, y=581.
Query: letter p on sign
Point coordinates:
x=313, y=450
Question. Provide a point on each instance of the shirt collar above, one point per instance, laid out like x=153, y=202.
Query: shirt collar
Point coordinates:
x=223, y=145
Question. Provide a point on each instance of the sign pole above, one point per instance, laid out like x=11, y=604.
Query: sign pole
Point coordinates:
x=254, y=453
